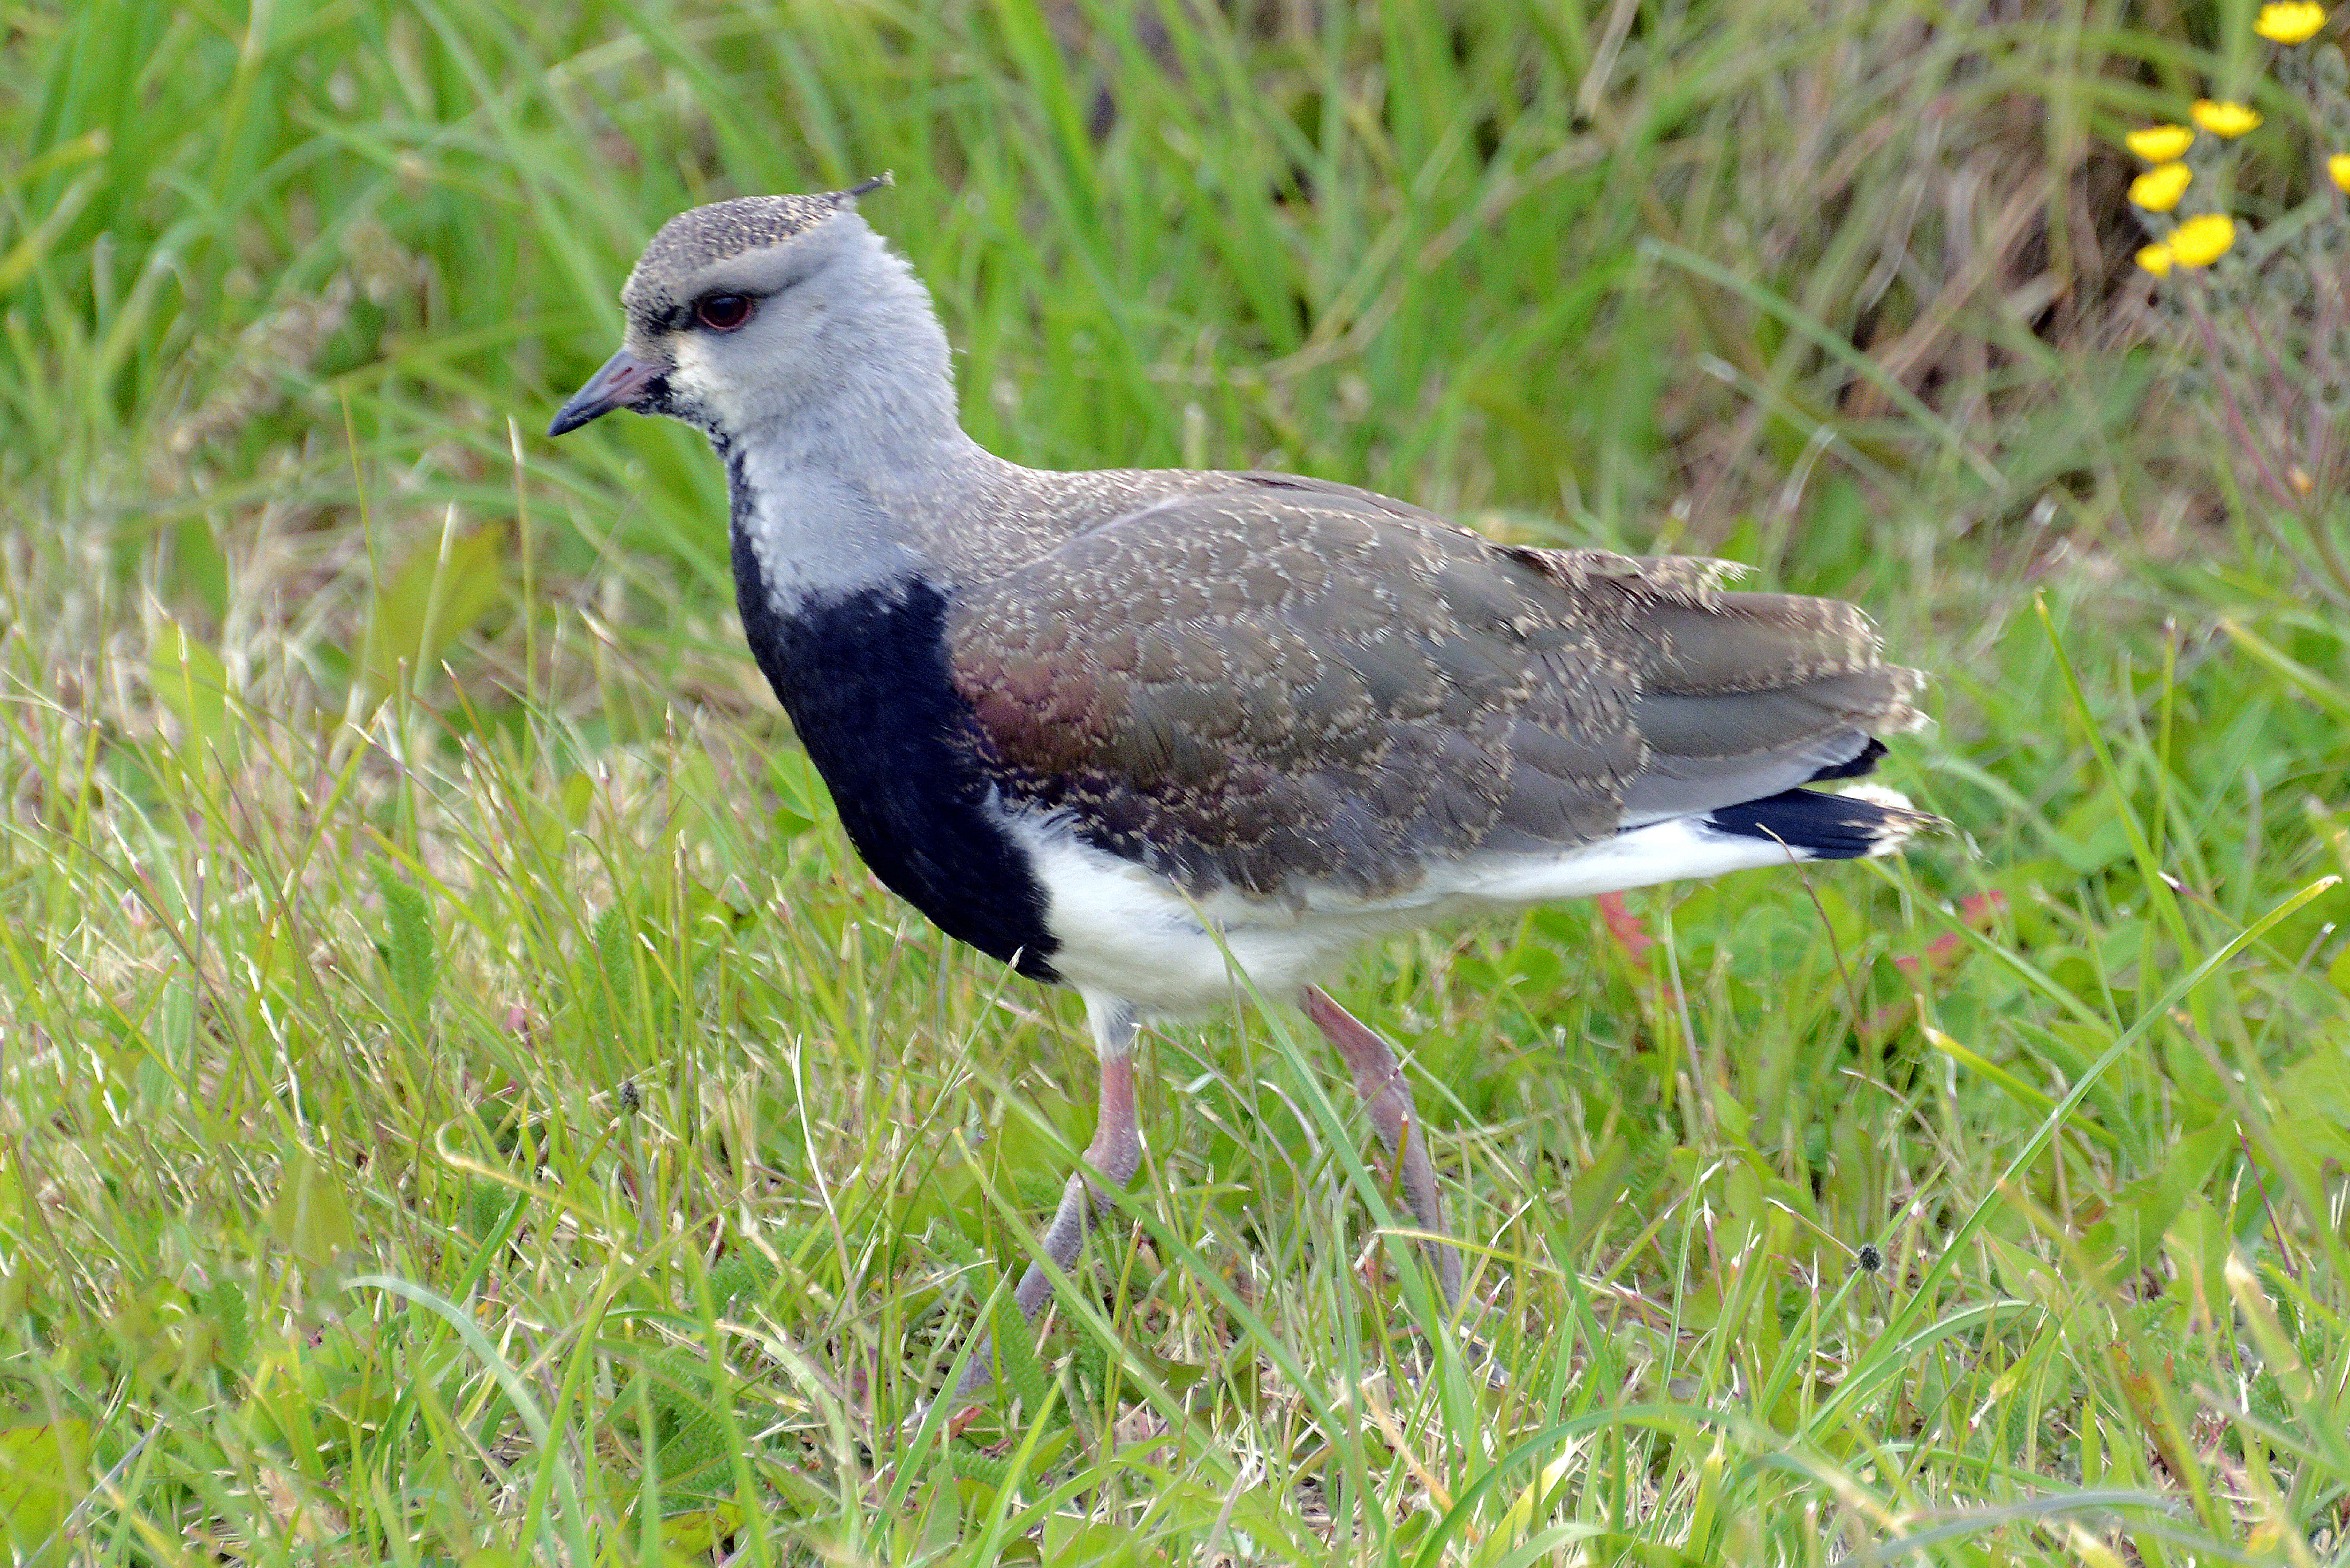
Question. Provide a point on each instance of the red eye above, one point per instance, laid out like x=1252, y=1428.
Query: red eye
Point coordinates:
x=724, y=312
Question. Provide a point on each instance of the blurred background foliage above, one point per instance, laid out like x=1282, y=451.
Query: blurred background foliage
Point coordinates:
x=1605, y=266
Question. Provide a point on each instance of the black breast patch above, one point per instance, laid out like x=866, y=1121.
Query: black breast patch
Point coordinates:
x=864, y=677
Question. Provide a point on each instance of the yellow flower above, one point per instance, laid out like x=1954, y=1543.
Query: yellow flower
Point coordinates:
x=2156, y=259
x=2202, y=239
x=2225, y=117
x=2160, y=143
x=2338, y=169
x=2295, y=21
x=2158, y=189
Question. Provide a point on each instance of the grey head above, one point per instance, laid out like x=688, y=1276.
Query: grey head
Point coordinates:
x=744, y=313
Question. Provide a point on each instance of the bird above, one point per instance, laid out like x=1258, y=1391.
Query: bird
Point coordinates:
x=1126, y=730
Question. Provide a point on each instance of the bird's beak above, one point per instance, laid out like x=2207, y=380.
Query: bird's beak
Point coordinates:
x=623, y=382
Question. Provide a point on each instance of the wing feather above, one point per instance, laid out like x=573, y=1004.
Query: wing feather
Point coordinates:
x=1292, y=683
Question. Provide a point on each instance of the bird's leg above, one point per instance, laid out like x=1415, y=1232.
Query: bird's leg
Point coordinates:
x=1387, y=1096
x=1114, y=1154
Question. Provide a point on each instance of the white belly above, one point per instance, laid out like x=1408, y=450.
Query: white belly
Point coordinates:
x=1133, y=934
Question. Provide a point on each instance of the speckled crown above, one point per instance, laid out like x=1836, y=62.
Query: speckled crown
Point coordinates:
x=694, y=239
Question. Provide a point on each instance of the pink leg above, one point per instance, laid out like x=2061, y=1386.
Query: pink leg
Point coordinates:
x=1114, y=1153
x=1386, y=1094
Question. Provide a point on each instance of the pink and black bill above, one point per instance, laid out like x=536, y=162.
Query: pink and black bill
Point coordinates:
x=624, y=382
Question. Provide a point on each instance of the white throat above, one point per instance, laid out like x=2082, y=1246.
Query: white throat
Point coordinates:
x=841, y=428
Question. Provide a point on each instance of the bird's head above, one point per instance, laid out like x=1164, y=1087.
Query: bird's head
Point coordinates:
x=731, y=308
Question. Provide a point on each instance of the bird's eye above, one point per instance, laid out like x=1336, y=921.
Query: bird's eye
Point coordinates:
x=724, y=312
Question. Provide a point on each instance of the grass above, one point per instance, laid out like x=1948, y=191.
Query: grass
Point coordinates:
x=465, y=1105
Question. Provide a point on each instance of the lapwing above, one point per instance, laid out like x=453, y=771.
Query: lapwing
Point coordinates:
x=1125, y=729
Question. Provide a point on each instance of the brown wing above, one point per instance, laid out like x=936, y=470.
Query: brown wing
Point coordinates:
x=1295, y=683
x=1742, y=695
